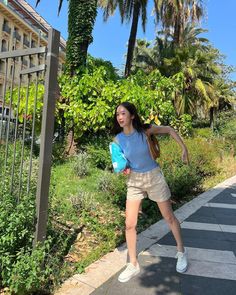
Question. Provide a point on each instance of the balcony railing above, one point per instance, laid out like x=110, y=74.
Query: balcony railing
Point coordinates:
x=17, y=36
x=2, y=77
x=6, y=28
x=25, y=62
x=26, y=42
x=33, y=44
x=3, y=49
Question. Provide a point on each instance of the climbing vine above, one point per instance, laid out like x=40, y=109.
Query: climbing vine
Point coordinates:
x=82, y=15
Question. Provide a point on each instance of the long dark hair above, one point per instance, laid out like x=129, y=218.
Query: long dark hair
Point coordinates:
x=137, y=122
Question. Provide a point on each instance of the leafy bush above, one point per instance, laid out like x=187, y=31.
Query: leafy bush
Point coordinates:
x=114, y=185
x=224, y=117
x=203, y=133
x=183, y=180
x=81, y=164
x=26, y=273
x=228, y=130
x=17, y=222
x=90, y=99
x=97, y=147
x=100, y=157
x=23, y=181
x=183, y=124
x=83, y=201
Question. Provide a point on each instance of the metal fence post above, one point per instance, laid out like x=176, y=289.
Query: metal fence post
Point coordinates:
x=46, y=136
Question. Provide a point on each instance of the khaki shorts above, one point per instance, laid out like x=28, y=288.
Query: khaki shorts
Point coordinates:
x=151, y=184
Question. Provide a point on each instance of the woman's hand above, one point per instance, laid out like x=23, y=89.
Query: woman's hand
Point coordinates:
x=126, y=171
x=185, y=157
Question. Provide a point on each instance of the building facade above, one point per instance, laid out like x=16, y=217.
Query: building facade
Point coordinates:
x=21, y=27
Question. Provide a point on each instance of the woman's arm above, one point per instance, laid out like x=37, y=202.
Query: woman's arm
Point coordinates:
x=154, y=129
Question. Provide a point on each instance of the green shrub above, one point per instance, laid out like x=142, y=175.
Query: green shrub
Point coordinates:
x=228, y=130
x=26, y=273
x=20, y=181
x=97, y=147
x=183, y=125
x=17, y=226
x=183, y=180
x=17, y=221
x=204, y=154
x=201, y=123
x=99, y=157
x=114, y=185
x=83, y=201
x=224, y=117
x=81, y=164
x=94, y=98
x=203, y=133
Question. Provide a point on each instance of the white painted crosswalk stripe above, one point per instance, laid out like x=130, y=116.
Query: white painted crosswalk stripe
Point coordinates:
x=221, y=205
x=217, y=256
x=202, y=262
x=209, y=226
x=212, y=270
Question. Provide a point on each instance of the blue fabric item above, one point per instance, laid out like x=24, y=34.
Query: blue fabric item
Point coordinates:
x=136, y=151
x=118, y=159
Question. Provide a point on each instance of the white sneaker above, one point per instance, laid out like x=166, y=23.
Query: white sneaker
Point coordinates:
x=129, y=272
x=182, y=262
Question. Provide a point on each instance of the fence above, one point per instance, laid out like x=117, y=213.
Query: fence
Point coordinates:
x=27, y=123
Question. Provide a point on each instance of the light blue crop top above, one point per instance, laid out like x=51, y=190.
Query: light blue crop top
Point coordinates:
x=136, y=151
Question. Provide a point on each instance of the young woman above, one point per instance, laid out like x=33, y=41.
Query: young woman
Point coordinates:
x=145, y=179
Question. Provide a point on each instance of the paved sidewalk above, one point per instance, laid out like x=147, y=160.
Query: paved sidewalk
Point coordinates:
x=209, y=231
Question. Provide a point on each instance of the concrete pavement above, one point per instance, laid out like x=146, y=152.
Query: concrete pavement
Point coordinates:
x=209, y=231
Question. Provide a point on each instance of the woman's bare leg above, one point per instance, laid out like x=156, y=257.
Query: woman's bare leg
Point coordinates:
x=132, y=209
x=168, y=215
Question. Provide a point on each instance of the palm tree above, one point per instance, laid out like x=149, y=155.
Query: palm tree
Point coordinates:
x=200, y=69
x=145, y=57
x=81, y=19
x=174, y=14
x=196, y=61
x=129, y=9
x=148, y=57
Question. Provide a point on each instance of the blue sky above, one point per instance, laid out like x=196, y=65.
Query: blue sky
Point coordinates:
x=110, y=38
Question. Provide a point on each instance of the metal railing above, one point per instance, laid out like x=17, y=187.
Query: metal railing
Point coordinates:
x=6, y=28
x=17, y=36
x=21, y=124
x=3, y=48
x=26, y=42
x=25, y=62
x=33, y=44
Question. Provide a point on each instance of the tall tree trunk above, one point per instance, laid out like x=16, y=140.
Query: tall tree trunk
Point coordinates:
x=176, y=33
x=178, y=30
x=179, y=25
x=132, y=38
x=81, y=18
x=212, y=117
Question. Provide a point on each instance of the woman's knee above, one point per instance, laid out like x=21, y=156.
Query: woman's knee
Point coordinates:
x=130, y=225
x=171, y=219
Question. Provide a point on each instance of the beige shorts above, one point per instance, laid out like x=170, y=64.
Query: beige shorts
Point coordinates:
x=151, y=184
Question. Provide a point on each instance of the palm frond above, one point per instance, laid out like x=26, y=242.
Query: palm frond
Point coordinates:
x=201, y=89
x=59, y=5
